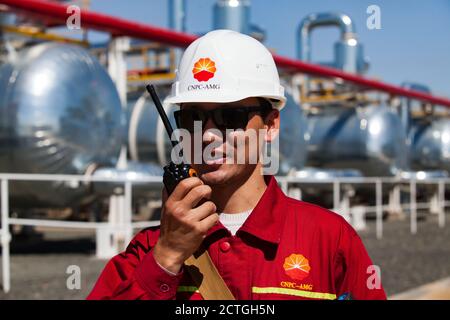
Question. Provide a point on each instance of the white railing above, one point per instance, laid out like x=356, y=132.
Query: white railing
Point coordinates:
x=123, y=225
x=378, y=182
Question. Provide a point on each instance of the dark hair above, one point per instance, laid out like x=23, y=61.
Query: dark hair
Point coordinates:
x=266, y=105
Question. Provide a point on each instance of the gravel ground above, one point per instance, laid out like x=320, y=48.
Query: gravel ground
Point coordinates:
x=407, y=260
x=39, y=265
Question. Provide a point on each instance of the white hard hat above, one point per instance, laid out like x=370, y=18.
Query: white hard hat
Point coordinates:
x=226, y=66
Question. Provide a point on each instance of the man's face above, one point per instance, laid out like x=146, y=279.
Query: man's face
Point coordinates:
x=234, y=155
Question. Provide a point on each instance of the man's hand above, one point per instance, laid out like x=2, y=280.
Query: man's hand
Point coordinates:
x=183, y=225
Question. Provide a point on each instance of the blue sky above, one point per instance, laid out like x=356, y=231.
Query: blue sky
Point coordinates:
x=413, y=43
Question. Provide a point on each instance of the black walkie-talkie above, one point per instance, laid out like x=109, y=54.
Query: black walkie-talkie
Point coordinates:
x=173, y=173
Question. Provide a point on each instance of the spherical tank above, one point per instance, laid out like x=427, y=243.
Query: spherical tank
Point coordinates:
x=59, y=114
x=370, y=139
x=430, y=145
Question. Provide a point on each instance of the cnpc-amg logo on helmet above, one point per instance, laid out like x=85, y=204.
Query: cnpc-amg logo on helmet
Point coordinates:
x=204, y=69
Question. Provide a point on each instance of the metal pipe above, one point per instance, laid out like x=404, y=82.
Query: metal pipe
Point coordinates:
x=314, y=20
x=128, y=213
x=77, y=224
x=133, y=126
x=406, y=104
x=156, y=179
x=379, y=209
x=413, y=207
x=336, y=195
x=136, y=173
x=232, y=15
x=441, y=197
x=5, y=237
x=117, y=26
x=177, y=15
x=177, y=22
x=364, y=83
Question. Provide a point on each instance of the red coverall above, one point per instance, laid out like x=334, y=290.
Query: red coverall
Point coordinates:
x=286, y=249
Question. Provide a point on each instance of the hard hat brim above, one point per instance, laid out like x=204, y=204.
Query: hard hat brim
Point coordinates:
x=277, y=102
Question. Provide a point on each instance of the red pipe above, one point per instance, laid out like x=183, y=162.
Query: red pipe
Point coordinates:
x=121, y=27
x=91, y=20
x=361, y=81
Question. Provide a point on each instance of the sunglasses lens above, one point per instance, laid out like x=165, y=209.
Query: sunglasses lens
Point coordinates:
x=232, y=118
x=185, y=119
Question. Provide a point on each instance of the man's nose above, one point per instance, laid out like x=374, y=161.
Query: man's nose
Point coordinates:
x=210, y=132
x=209, y=124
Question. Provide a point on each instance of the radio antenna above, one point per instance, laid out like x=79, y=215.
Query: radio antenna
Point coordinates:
x=151, y=89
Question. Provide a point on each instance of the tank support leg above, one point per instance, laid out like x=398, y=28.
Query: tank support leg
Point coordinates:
x=115, y=236
x=295, y=192
x=434, y=202
x=395, y=205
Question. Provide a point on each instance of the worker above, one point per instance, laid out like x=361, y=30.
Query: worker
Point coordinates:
x=264, y=244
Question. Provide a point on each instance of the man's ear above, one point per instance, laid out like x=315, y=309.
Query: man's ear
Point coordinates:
x=272, y=125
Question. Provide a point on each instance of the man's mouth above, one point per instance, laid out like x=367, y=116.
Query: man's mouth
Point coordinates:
x=216, y=158
x=216, y=161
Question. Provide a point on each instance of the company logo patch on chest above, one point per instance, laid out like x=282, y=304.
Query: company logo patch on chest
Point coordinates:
x=296, y=266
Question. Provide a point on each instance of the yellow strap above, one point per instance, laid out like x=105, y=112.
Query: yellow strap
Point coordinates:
x=187, y=289
x=207, y=278
x=295, y=292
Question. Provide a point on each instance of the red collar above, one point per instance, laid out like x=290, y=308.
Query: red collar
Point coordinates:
x=267, y=219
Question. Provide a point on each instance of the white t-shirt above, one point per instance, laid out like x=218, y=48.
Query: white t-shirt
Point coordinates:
x=233, y=221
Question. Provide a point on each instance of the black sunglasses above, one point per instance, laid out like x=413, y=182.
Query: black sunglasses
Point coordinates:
x=223, y=118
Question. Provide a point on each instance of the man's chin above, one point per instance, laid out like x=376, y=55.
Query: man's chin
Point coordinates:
x=214, y=175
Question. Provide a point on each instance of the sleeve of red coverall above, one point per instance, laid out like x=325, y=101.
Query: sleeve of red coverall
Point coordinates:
x=354, y=270
x=135, y=275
